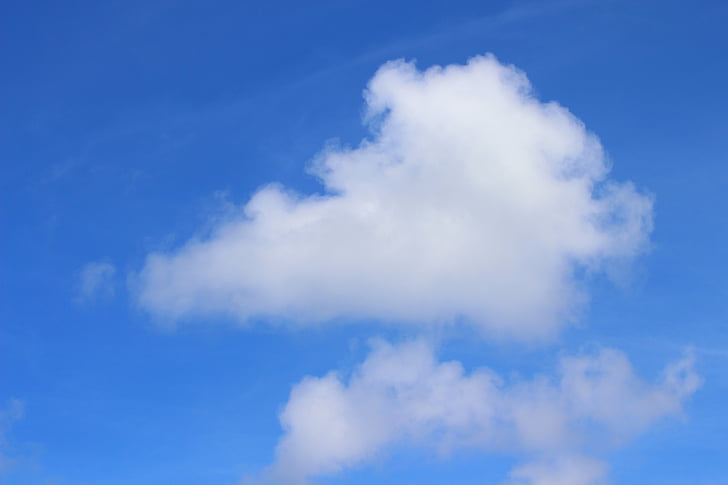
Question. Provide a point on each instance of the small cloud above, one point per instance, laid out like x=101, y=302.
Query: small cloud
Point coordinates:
x=572, y=470
x=95, y=280
x=402, y=395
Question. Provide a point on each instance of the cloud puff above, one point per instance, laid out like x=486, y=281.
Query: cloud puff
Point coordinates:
x=570, y=470
x=95, y=280
x=400, y=395
x=470, y=201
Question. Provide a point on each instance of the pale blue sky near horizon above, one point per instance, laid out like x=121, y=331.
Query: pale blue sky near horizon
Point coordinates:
x=125, y=125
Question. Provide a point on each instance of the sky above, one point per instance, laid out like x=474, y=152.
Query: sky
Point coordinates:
x=288, y=243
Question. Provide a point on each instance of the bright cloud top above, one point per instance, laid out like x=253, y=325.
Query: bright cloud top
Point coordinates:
x=400, y=395
x=471, y=200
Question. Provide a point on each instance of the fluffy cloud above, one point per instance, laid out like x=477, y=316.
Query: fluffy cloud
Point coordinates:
x=96, y=279
x=401, y=395
x=471, y=200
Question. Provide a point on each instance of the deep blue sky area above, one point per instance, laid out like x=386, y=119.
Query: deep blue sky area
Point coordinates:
x=125, y=124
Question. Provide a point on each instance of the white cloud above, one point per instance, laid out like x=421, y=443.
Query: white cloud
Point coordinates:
x=471, y=200
x=95, y=280
x=400, y=395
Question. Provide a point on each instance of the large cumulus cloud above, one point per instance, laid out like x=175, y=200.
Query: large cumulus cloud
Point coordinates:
x=471, y=200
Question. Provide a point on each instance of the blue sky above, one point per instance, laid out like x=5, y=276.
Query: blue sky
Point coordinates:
x=129, y=130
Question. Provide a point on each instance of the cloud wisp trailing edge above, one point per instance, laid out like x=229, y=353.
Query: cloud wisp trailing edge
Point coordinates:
x=471, y=201
x=95, y=280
